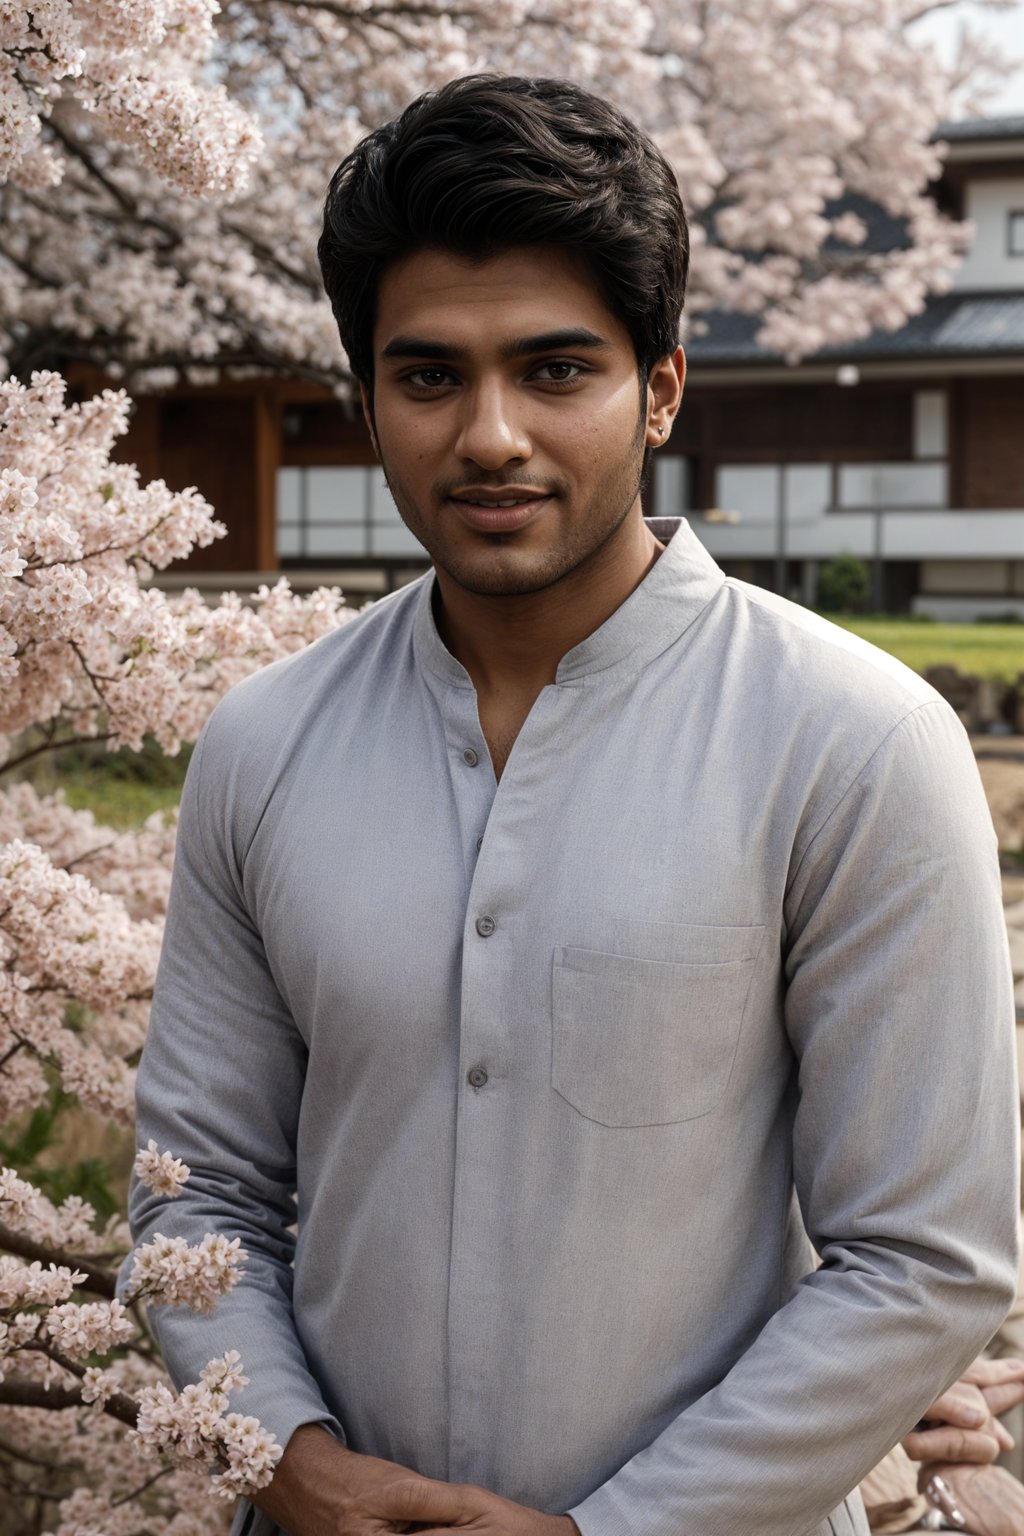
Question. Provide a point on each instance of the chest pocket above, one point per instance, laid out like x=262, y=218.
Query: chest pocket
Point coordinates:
x=651, y=1042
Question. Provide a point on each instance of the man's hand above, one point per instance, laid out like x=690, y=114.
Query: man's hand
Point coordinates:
x=1001, y=1382
x=321, y=1488
x=959, y=1426
x=990, y=1500
x=962, y=1423
x=484, y=1513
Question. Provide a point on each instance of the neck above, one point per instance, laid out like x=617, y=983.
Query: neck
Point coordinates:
x=512, y=645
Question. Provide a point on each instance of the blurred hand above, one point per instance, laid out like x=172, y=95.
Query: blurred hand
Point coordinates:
x=990, y=1500
x=962, y=1425
x=1001, y=1381
x=959, y=1426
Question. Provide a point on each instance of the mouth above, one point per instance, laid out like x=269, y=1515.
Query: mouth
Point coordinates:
x=499, y=516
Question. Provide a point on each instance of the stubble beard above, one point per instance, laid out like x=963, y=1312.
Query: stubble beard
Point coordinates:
x=501, y=569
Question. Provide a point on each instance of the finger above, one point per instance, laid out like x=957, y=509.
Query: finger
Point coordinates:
x=992, y=1373
x=421, y=1500
x=1004, y=1395
x=947, y=1443
x=1002, y=1434
x=435, y=1530
x=962, y=1404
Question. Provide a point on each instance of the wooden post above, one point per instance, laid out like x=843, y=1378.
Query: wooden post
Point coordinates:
x=267, y=450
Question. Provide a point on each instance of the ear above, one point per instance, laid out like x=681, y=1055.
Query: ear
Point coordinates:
x=664, y=394
x=367, y=404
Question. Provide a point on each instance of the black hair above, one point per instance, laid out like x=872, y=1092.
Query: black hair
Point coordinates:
x=491, y=162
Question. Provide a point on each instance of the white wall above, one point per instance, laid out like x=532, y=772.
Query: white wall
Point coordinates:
x=905, y=536
x=988, y=265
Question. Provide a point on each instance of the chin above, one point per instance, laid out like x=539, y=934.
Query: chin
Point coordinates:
x=490, y=578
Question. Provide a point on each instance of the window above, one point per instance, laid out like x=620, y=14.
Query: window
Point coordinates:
x=761, y=493
x=1015, y=231
x=866, y=486
x=672, y=485
x=929, y=424
x=343, y=512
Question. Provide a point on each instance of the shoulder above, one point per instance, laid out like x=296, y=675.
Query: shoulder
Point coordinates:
x=818, y=672
x=832, y=662
x=271, y=718
x=272, y=703
x=829, y=711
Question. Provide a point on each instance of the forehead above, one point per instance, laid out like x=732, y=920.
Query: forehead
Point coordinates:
x=524, y=291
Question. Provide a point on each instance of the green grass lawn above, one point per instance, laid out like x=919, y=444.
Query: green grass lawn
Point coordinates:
x=116, y=802
x=987, y=650
x=120, y=788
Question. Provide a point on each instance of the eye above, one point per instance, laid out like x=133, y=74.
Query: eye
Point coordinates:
x=413, y=378
x=564, y=362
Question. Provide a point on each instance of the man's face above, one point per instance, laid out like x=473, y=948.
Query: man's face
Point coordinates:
x=478, y=398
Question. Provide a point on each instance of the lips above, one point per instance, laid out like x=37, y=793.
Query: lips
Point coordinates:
x=490, y=519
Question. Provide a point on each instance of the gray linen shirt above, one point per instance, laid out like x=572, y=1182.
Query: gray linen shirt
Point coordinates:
x=570, y=1072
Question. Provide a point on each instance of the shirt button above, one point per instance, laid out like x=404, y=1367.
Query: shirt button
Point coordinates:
x=470, y=758
x=485, y=926
x=479, y=844
x=477, y=1076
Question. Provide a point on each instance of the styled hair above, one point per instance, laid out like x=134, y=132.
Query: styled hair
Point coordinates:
x=492, y=162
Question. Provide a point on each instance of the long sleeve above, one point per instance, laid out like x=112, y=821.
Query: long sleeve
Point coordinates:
x=220, y=1085
x=898, y=1008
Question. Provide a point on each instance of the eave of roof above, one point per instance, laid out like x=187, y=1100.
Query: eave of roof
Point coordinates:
x=951, y=326
x=977, y=129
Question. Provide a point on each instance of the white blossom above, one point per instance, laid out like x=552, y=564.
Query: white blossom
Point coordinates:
x=161, y=1172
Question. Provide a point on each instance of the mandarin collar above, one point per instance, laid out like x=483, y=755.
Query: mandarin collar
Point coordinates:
x=677, y=588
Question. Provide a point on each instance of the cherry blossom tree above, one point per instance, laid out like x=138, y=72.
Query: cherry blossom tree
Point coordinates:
x=89, y=652
x=167, y=159
x=123, y=1412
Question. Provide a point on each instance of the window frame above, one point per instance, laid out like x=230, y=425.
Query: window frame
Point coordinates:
x=1015, y=222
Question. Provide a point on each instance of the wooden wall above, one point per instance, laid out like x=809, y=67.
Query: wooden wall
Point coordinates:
x=228, y=446
x=791, y=422
x=989, y=418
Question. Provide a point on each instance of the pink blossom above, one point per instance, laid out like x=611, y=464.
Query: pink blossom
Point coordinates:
x=160, y=1171
x=174, y=1273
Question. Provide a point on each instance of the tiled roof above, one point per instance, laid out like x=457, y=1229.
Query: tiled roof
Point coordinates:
x=951, y=326
x=981, y=128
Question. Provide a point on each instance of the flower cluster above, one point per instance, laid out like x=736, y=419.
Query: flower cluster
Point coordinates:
x=47, y=1335
x=194, y=1427
x=138, y=67
x=161, y=1172
x=88, y=651
x=173, y=1272
x=83, y=645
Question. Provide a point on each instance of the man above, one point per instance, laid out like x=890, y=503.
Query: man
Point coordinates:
x=580, y=934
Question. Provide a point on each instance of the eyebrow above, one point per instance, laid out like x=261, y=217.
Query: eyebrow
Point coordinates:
x=520, y=346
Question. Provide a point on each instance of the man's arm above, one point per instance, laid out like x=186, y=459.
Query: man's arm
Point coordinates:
x=220, y=1085
x=899, y=1010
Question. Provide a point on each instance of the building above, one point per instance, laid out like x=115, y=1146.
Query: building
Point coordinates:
x=906, y=449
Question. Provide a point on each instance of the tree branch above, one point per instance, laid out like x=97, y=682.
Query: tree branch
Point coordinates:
x=81, y=153
x=52, y=746
x=16, y=1392
x=96, y=1279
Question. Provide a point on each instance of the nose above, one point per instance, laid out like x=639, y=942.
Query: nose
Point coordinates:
x=491, y=431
